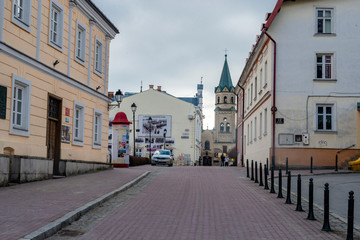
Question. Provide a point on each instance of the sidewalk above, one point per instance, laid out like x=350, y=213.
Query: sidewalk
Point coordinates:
x=25, y=208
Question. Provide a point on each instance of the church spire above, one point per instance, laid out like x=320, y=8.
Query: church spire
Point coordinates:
x=225, y=80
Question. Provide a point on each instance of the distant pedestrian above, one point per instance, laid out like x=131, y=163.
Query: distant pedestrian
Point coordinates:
x=222, y=159
x=226, y=161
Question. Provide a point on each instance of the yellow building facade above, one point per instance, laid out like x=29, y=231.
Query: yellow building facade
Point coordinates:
x=54, y=58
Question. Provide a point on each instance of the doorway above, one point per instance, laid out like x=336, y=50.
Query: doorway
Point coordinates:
x=53, y=135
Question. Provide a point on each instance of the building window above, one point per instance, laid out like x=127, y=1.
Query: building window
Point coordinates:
x=251, y=131
x=255, y=128
x=252, y=95
x=324, y=21
x=255, y=93
x=324, y=66
x=79, y=116
x=80, y=43
x=261, y=80
x=221, y=127
x=138, y=152
x=232, y=99
x=207, y=145
x=260, y=126
x=97, y=129
x=265, y=73
x=228, y=127
x=218, y=100
x=22, y=13
x=265, y=121
x=20, y=108
x=248, y=103
x=225, y=119
x=248, y=134
x=98, y=56
x=325, y=118
x=56, y=25
x=225, y=99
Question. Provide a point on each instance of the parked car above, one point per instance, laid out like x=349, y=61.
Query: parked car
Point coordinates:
x=162, y=157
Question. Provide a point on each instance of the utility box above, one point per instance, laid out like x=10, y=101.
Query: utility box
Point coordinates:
x=305, y=139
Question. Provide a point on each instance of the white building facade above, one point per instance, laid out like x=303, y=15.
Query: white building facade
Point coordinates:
x=298, y=94
x=179, y=118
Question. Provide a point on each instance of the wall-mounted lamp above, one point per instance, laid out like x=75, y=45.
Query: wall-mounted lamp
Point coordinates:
x=118, y=97
x=56, y=62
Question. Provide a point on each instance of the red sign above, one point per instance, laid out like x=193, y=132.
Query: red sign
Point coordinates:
x=67, y=112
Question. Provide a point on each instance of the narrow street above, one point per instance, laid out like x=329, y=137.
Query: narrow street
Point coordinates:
x=195, y=203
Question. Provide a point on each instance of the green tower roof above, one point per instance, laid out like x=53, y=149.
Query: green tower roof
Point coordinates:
x=225, y=80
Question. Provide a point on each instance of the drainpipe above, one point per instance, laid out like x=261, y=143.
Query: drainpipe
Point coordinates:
x=274, y=94
x=242, y=126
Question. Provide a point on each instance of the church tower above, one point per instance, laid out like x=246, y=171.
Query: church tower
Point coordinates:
x=225, y=112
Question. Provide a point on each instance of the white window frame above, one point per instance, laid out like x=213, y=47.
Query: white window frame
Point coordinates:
x=22, y=129
x=265, y=74
x=80, y=120
x=255, y=129
x=323, y=65
x=58, y=42
x=323, y=19
x=249, y=96
x=265, y=121
x=260, y=125
x=251, y=132
x=324, y=115
x=97, y=129
x=261, y=80
x=23, y=21
x=255, y=89
x=98, y=56
x=80, y=44
x=248, y=134
x=252, y=93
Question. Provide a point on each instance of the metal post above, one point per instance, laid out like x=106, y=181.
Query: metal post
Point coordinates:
x=272, y=190
x=298, y=205
x=311, y=165
x=350, y=229
x=247, y=168
x=266, y=177
x=311, y=200
x=326, y=225
x=242, y=160
x=261, y=174
x=252, y=170
x=288, y=193
x=134, y=131
x=256, y=173
x=280, y=195
x=287, y=166
x=336, y=163
x=267, y=165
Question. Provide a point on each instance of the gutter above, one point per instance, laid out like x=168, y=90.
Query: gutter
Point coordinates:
x=273, y=109
x=242, y=125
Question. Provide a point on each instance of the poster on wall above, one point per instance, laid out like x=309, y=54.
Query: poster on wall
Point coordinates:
x=154, y=127
x=65, y=134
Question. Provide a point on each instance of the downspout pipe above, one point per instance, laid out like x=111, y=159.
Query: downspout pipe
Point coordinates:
x=273, y=109
x=242, y=125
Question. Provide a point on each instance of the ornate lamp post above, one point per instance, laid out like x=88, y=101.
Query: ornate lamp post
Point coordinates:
x=150, y=127
x=118, y=97
x=165, y=131
x=133, y=109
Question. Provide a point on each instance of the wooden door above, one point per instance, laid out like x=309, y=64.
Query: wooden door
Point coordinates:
x=53, y=138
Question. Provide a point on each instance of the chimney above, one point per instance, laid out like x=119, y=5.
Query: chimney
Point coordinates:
x=151, y=86
x=159, y=88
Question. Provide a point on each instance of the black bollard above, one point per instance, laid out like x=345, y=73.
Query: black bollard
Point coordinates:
x=336, y=163
x=326, y=225
x=247, y=168
x=288, y=187
x=266, y=177
x=272, y=190
x=350, y=229
x=280, y=195
x=311, y=165
x=260, y=171
x=256, y=173
x=298, y=205
x=287, y=166
x=242, y=161
x=311, y=200
x=252, y=170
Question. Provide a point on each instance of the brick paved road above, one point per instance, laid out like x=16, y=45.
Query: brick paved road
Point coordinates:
x=206, y=203
x=26, y=207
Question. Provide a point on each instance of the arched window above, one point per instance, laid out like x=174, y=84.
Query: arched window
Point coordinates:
x=225, y=119
x=228, y=127
x=221, y=127
x=218, y=100
x=207, y=145
x=232, y=99
x=225, y=99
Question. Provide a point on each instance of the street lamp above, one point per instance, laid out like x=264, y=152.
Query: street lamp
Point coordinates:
x=118, y=97
x=150, y=127
x=133, y=109
x=165, y=131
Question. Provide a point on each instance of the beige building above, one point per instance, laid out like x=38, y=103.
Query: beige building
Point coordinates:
x=180, y=119
x=54, y=79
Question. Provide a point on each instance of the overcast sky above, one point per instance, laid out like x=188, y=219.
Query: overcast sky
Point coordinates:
x=173, y=43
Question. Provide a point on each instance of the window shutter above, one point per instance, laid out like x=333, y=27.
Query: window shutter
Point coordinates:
x=3, y=98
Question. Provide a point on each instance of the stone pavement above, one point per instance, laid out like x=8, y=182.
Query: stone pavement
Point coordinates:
x=206, y=203
x=25, y=208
